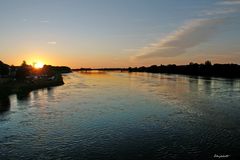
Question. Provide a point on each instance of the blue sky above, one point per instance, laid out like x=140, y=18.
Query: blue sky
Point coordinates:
x=119, y=33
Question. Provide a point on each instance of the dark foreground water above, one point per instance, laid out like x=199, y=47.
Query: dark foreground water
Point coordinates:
x=123, y=116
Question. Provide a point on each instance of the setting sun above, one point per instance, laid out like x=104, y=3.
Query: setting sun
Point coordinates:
x=38, y=65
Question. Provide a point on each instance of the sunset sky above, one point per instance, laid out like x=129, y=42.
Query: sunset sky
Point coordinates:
x=119, y=33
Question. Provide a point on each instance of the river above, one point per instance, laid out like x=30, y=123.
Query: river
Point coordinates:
x=118, y=115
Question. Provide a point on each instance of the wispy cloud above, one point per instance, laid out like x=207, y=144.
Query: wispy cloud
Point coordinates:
x=188, y=36
x=52, y=42
x=191, y=34
x=44, y=21
x=230, y=2
x=219, y=12
x=130, y=50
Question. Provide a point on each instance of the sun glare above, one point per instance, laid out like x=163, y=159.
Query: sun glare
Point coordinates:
x=38, y=65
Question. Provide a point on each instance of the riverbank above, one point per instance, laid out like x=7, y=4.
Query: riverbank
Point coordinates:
x=194, y=69
x=25, y=78
x=21, y=86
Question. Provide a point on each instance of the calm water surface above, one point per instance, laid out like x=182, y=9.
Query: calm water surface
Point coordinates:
x=113, y=115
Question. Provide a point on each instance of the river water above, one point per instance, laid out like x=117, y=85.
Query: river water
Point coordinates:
x=114, y=115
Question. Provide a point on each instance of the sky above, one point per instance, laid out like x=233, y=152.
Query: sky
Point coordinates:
x=119, y=33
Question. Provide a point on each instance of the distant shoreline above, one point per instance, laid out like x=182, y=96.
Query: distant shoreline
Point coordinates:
x=193, y=69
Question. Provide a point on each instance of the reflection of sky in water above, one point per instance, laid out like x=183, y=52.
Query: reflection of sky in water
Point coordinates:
x=117, y=115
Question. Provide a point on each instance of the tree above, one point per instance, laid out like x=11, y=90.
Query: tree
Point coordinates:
x=24, y=63
x=4, y=68
x=208, y=63
x=23, y=71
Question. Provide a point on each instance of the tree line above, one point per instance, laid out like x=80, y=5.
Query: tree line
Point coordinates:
x=204, y=69
x=24, y=70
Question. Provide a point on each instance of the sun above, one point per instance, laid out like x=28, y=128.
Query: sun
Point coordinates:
x=38, y=65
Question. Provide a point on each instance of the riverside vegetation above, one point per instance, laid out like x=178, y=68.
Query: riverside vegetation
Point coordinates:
x=25, y=78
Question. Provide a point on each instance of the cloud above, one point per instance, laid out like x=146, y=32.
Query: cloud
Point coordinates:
x=52, y=42
x=230, y=2
x=190, y=35
x=130, y=50
x=44, y=21
x=219, y=12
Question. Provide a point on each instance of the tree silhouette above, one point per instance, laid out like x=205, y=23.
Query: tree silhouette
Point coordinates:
x=24, y=63
x=206, y=69
x=4, y=68
x=208, y=63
